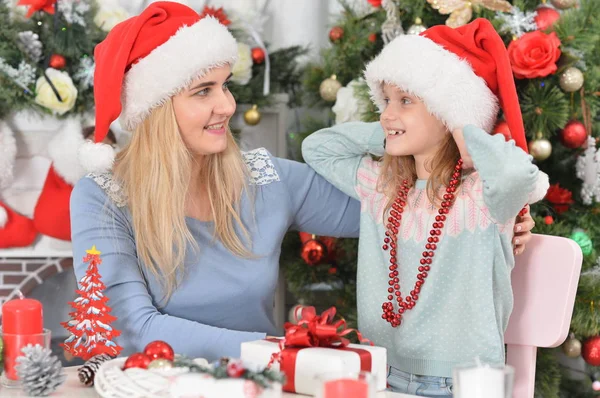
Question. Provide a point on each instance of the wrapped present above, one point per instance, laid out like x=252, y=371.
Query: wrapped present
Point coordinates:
x=316, y=345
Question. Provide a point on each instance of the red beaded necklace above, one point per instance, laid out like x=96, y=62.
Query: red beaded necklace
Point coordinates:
x=390, y=242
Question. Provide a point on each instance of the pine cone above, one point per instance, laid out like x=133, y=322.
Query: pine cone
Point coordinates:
x=88, y=371
x=40, y=372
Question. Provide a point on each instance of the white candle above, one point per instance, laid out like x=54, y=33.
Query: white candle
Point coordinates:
x=481, y=382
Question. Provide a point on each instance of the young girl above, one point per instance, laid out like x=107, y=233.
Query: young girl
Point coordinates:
x=435, y=252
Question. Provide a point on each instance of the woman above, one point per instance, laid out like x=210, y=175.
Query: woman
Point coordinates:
x=190, y=229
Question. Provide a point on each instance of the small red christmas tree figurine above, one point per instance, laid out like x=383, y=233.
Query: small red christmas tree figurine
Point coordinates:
x=91, y=333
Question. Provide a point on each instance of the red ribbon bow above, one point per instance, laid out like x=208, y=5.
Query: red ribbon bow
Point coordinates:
x=315, y=330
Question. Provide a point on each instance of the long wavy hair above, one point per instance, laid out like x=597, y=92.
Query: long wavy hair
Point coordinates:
x=155, y=172
x=396, y=169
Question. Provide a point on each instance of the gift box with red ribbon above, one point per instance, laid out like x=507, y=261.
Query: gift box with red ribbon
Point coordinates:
x=315, y=346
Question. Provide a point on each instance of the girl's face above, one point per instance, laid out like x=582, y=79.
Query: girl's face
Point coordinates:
x=409, y=127
x=203, y=111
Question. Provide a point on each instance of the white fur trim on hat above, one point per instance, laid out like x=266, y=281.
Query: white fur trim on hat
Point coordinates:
x=173, y=65
x=63, y=150
x=96, y=157
x=8, y=152
x=540, y=188
x=447, y=84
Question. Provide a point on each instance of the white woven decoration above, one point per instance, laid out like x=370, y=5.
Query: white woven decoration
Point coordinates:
x=111, y=381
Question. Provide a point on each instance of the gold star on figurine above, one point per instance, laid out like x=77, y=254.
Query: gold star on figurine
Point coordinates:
x=93, y=250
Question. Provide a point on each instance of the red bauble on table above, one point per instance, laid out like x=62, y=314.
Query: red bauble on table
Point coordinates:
x=336, y=33
x=502, y=128
x=574, y=134
x=545, y=17
x=235, y=369
x=159, y=350
x=137, y=360
x=591, y=351
x=258, y=55
x=57, y=61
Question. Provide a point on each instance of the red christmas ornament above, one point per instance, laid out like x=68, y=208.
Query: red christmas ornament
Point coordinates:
x=332, y=271
x=548, y=220
x=57, y=61
x=394, y=317
x=560, y=198
x=546, y=17
x=591, y=351
x=217, y=13
x=235, y=369
x=258, y=55
x=574, y=134
x=336, y=33
x=313, y=252
x=375, y=3
x=159, y=350
x=372, y=37
x=137, y=360
x=502, y=128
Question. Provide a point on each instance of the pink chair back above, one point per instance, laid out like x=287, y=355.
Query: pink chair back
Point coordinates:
x=544, y=283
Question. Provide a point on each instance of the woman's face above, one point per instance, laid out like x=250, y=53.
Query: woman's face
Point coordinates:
x=203, y=111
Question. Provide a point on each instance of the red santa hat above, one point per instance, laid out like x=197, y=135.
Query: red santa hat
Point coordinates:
x=16, y=230
x=147, y=59
x=463, y=75
x=51, y=216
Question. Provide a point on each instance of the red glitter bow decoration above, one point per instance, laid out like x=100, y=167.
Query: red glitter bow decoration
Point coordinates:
x=38, y=5
x=315, y=330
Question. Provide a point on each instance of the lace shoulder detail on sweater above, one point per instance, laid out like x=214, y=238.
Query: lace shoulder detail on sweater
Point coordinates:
x=261, y=167
x=112, y=188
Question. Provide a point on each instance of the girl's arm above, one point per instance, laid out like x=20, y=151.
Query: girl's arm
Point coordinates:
x=510, y=179
x=341, y=154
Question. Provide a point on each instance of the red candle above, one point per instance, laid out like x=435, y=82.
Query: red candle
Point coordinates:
x=22, y=324
x=347, y=388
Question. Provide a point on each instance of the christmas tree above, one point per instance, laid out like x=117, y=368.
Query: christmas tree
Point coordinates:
x=91, y=333
x=554, y=49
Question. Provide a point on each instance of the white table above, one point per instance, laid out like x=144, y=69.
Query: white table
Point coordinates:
x=72, y=388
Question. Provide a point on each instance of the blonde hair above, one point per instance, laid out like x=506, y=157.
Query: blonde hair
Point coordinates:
x=396, y=169
x=155, y=172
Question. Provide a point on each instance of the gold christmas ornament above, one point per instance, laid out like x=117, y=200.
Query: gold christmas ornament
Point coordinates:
x=329, y=88
x=461, y=11
x=540, y=148
x=563, y=4
x=417, y=28
x=572, y=347
x=252, y=116
x=571, y=79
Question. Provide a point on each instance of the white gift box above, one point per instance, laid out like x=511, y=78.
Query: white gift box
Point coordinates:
x=313, y=361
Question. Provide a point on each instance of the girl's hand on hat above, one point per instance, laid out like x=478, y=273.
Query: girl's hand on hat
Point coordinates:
x=462, y=147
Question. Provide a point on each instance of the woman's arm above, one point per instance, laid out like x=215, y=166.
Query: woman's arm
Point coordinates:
x=95, y=220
